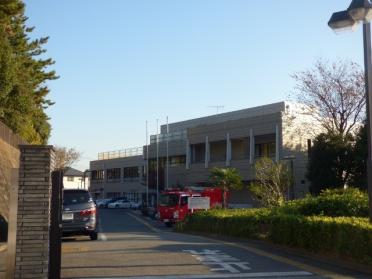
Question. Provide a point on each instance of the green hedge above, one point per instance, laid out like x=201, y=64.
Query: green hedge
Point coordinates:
x=336, y=202
x=241, y=223
x=344, y=236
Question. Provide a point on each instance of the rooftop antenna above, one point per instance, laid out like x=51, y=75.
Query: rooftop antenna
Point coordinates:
x=217, y=108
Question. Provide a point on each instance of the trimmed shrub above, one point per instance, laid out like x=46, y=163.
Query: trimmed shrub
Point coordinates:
x=335, y=202
x=343, y=236
x=346, y=236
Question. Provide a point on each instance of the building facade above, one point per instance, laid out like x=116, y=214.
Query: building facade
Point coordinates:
x=75, y=179
x=119, y=173
x=184, y=153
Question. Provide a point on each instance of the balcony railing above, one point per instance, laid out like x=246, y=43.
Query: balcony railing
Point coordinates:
x=137, y=151
x=182, y=135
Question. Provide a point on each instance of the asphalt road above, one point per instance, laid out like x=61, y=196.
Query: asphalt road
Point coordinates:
x=132, y=246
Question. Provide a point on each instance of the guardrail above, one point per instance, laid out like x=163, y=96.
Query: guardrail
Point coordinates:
x=129, y=152
x=182, y=135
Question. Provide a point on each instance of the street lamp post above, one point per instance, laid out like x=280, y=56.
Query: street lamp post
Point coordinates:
x=360, y=11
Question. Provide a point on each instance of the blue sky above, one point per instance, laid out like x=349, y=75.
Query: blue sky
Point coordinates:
x=124, y=62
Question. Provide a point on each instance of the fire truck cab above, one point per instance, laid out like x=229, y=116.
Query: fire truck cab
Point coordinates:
x=173, y=204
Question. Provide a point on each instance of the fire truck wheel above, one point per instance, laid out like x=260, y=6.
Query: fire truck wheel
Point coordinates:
x=168, y=224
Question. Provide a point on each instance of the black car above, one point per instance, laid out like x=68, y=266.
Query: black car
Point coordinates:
x=79, y=214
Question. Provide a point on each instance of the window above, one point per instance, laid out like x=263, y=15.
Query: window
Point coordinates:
x=70, y=178
x=265, y=149
x=176, y=161
x=97, y=174
x=113, y=174
x=131, y=172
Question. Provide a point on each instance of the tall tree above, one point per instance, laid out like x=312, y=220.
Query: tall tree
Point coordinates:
x=65, y=157
x=227, y=179
x=359, y=173
x=273, y=181
x=23, y=76
x=334, y=94
x=331, y=162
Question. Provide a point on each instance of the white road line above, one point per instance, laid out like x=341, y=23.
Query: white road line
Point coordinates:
x=101, y=235
x=144, y=222
x=217, y=276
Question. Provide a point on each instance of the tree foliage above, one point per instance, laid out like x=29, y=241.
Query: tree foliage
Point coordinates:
x=334, y=94
x=331, y=161
x=359, y=174
x=23, y=76
x=273, y=181
x=227, y=179
x=65, y=157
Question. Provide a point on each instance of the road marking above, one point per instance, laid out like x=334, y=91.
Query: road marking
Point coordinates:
x=282, y=259
x=217, y=276
x=74, y=249
x=144, y=222
x=216, y=257
x=102, y=236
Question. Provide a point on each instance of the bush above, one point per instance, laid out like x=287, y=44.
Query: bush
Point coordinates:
x=236, y=222
x=335, y=202
x=346, y=236
x=343, y=236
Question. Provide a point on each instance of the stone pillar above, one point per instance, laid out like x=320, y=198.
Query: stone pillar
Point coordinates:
x=228, y=150
x=188, y=154
x=251, y=147
x=207, y=153
x=277, y=143
x=33, y=218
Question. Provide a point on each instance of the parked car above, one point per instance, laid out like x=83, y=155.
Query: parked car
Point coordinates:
x=135, y=205
x=102, y=203
x=119, y=204
x=79, y=214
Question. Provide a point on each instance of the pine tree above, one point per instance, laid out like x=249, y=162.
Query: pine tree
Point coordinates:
x=23, y=76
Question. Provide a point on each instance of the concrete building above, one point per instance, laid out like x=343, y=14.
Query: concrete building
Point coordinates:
x=75, y=179
x=119, y=173
x=234, y=139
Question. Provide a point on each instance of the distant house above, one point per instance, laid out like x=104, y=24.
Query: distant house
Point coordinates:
x=74, y=179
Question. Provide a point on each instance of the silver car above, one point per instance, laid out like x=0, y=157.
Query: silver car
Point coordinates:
x=79, y=214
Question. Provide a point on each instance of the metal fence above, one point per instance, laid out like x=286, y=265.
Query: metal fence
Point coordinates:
x=168, y=137
x=9, y=137
x=137, y=151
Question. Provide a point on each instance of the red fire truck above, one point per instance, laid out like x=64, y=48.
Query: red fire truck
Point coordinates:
x=173, y=204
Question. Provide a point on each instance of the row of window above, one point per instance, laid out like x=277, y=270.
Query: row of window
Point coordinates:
x=240, y=151
x=115, y=173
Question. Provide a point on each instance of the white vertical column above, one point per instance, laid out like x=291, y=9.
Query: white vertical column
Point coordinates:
x=228, y=150
x=251, y=147
x=277, y=143
x=188, y=153
x=207, y=152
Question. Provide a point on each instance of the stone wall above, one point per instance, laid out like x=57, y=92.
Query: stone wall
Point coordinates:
x=33, y=214
x=9, y=159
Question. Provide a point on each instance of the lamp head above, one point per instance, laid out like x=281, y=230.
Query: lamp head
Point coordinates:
x=342, y=21
x=360, y=10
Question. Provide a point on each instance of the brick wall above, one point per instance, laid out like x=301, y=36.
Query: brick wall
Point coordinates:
x=33, y=215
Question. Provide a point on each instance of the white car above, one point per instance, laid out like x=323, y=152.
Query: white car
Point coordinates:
x=119, y=204
x=135, y=205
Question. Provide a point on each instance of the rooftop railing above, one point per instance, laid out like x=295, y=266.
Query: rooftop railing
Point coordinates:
x=182, y=135
x=129, y=152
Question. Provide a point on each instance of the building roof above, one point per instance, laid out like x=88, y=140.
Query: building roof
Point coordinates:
x=226, y=116
x=72, y=172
